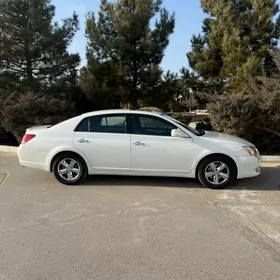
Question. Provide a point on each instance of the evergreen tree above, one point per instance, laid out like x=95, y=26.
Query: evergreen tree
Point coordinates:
x=235, y=42
x=33, y=48
x=125, y=50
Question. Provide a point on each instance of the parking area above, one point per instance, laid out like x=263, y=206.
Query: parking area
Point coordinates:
x=137, y=228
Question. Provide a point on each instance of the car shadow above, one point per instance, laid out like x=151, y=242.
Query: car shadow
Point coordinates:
x=140, y=181
x=269, y=180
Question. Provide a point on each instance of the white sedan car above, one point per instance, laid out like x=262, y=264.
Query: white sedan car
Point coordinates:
x=139, y=143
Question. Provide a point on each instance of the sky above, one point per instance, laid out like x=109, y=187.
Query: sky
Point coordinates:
x=189, y=18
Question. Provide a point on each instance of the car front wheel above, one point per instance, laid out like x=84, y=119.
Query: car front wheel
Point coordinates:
x=69, y=169
x=217, y=172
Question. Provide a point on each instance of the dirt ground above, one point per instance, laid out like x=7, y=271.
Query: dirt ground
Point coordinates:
x=137, y=228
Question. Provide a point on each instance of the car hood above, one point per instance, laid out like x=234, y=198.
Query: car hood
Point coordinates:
x=225, y=137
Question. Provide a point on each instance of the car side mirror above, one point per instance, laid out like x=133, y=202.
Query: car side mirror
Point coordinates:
x=178, y=133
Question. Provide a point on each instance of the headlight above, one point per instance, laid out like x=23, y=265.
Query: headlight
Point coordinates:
x=252, y=151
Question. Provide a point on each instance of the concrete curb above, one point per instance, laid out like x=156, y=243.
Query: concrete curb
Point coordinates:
x=271, y=159
x=11, y=149
x=8, y=149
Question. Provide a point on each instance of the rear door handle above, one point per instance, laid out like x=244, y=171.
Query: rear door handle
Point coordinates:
x=140, y=143
x=83, y=141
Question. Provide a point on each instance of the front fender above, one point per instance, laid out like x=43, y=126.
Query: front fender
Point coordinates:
x=207, y=153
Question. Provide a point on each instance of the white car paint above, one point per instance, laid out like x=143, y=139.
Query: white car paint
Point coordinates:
x=159, y=155
x=119, y=154
x=105, y=152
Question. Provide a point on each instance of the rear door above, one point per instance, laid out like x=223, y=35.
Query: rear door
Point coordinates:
x=105, y=142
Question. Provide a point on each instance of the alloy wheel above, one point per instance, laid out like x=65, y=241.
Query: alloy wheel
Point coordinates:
x=217, y=173
x=69, y=169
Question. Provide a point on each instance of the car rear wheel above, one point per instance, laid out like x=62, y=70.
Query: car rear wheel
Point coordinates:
x=217, y=172
x=69, y=169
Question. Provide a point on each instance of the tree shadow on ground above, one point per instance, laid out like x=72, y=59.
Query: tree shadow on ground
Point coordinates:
x=269, y=180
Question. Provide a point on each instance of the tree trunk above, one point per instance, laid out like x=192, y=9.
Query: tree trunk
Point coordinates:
x=270, y=130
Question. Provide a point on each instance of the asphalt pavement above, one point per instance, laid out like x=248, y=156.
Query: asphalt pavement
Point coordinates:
x=137, y=228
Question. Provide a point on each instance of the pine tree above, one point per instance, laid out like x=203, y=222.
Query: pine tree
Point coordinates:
x=33, y=48
x=125, y=50
x=235, y=42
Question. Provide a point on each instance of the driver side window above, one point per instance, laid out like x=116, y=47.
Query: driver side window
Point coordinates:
x=150, y=125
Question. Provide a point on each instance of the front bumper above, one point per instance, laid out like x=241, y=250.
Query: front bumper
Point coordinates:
x=248, y=167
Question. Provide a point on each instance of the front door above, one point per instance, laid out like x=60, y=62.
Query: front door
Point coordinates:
x=154, y=151
x=105, y=142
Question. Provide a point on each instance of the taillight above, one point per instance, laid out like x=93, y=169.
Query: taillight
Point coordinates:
x=27, y=137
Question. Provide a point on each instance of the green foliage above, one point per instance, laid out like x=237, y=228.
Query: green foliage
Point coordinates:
x=126, y=42
x=26, y=109
x=33, y=48
x=181, y=117
x=150, y=109
x=235, y=42
x=124, y=52
x=34, y=58
x=247, y=113
x=177, y=90
x=204, y=124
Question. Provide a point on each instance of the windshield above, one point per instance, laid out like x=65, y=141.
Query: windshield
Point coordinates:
x=192, y=130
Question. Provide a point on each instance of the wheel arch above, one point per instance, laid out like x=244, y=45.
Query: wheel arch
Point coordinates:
x=213, y=156
x=67, y=152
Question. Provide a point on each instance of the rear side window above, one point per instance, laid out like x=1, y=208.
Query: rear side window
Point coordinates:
x=108, y=124
x=112, y=121
x=83, y=126
x=103, y=124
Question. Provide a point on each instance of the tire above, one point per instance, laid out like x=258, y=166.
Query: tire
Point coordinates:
x=221, y=172
x=69, y=169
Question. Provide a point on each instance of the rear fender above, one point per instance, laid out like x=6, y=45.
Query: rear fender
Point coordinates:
x=66, y=148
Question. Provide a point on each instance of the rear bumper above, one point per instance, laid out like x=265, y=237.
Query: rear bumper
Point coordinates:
x=31, y=160
x=34, y=165
x=248, y=167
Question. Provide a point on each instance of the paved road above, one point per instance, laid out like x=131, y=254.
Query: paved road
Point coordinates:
x=134, y=228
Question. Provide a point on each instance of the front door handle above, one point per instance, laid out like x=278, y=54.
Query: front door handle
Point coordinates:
x=83, y=141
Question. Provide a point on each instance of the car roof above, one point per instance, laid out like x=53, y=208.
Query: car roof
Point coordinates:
x=120, y=111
